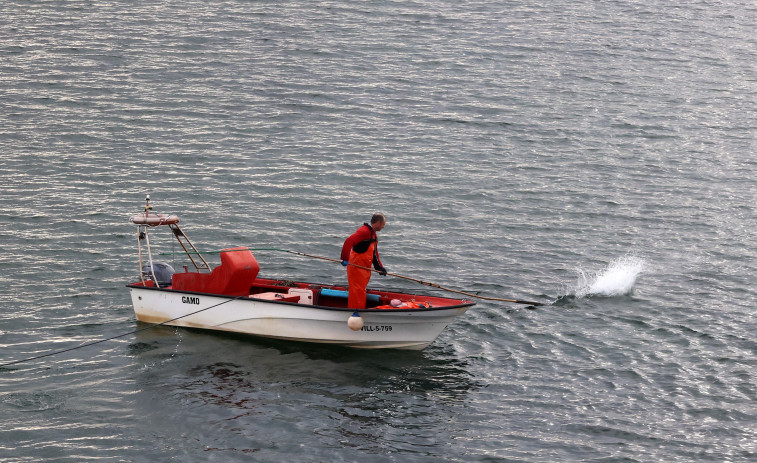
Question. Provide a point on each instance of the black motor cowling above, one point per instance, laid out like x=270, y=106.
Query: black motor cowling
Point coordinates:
x=163, y=273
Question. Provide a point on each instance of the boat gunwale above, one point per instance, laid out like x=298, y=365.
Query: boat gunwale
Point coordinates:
x=465, y=303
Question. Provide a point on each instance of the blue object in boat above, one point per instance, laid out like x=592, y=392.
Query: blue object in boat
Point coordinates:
x=338, y=293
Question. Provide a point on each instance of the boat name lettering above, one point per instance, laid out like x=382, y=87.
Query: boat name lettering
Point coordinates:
x=190, y=300
x=376, y=328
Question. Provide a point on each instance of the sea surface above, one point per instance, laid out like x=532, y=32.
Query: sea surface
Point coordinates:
x=599, y=157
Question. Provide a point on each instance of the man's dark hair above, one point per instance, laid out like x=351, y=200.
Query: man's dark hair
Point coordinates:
x=378, y=217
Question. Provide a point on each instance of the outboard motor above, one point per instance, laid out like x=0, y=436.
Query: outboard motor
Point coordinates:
x=163, y=273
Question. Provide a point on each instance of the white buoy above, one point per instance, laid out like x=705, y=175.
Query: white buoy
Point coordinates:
x=355, y=322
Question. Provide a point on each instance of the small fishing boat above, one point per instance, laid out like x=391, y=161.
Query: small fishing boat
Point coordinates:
x=232, y=297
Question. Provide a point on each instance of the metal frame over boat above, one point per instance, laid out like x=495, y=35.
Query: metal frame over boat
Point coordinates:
x=231, y=297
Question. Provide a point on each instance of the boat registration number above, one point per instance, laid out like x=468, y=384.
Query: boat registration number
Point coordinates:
x=376, y=328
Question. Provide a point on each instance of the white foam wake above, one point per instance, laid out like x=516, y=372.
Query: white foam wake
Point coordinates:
x=617, y=279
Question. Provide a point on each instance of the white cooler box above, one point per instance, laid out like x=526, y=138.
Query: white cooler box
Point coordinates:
x=306, y=295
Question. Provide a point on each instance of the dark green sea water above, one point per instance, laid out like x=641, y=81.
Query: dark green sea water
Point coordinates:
x=599, y=156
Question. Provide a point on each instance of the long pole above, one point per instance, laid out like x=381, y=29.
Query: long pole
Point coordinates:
x=426, y=283
x=433, y=285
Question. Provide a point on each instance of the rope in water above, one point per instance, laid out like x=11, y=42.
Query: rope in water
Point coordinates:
x=426, y=283
x=50, y=354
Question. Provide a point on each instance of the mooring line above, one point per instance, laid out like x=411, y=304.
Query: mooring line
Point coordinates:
x=50, y=354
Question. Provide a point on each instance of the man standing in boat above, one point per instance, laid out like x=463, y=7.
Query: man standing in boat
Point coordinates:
x=361, y=249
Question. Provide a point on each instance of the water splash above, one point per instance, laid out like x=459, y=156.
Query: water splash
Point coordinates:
x=617, y=279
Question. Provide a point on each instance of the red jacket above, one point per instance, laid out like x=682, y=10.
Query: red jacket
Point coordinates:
x=359, y=242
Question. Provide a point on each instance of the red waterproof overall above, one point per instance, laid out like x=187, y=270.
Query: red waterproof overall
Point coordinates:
x=358, y=278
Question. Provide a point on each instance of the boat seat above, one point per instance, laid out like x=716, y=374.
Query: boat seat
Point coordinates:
x=233, y=277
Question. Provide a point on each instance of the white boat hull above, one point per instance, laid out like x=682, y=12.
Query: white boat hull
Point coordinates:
x=399, y=329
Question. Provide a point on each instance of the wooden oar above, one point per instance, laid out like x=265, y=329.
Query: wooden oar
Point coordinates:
x=433, y=285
